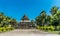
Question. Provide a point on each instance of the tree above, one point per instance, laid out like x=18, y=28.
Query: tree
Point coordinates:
x=48, y=20
x=58, y=16
x=33, y=23
x=1, y=16
x=54, y=10
x=13, y=22
x=41, y=19
x=5, y=20
x=56, y=19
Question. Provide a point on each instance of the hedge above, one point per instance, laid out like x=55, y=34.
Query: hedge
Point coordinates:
x=3, y=29
x=46, y=28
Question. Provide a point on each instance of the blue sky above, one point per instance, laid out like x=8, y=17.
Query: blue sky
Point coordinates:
x=32, y=8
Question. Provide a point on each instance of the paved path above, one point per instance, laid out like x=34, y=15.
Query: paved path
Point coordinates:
x=27, y=32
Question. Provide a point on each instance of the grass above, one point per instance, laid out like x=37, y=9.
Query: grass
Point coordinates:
x=54, y=32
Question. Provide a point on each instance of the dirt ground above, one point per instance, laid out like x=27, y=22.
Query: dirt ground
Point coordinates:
x=27, y=32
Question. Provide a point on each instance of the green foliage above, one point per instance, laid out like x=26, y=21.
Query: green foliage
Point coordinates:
x=46, y=28
x=54, y=10
x=47, y=20
x=6, y=23
x=41, y=19
x=4, y=29
x=33, y=22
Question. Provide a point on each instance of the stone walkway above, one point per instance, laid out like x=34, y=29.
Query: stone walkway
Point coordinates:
x=27, y=32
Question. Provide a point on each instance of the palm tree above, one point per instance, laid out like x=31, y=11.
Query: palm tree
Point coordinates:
x=41, y=19
x=54, y=10
x=48, y=20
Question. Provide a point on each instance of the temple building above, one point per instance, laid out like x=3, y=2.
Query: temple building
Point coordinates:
x=25, y=23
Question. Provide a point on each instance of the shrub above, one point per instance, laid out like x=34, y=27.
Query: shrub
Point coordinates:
x=46, y=28
x=4, y=29
x=11, y=28
x=58, y=28
x=51, y=28
x=38, y=27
